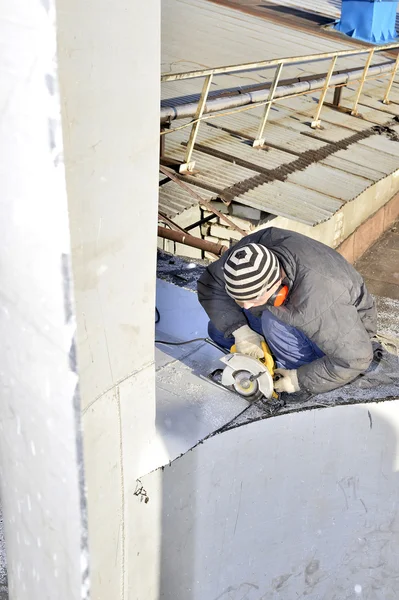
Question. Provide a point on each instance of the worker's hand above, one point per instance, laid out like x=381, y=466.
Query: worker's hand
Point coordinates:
x=287, y=381
x=248, y=342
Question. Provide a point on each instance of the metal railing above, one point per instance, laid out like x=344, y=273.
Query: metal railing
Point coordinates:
x=329, y=81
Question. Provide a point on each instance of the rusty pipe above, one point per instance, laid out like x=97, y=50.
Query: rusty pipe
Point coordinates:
x=190, y=240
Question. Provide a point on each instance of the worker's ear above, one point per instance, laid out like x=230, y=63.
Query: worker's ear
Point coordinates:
x=281, y=294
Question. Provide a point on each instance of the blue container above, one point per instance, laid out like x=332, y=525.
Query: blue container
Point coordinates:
x=369, y=20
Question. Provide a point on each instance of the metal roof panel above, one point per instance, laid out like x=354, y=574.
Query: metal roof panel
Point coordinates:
x=199, y=30
x=173, y=199
x=330, y=182
x=209, y=169
x=239, y=148
x=284, y=137
x=361, y=154
x=352, y=168
x=383, y=145
x=292, y=201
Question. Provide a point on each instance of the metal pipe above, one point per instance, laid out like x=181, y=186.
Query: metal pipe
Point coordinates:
x=184, y=111
x=190, y=240
x=169, y=222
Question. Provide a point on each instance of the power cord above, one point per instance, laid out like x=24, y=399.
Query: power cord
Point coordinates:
x=207, y=340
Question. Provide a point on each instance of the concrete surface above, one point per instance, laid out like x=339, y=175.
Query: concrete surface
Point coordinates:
x=41, y=459
x=298, y=506
x=380, y=265
x=110, y=73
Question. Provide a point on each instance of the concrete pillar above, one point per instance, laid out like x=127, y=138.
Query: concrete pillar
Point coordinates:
x=109, y=56
x=41, y=467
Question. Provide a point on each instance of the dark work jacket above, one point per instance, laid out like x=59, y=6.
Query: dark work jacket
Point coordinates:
x=328, y=302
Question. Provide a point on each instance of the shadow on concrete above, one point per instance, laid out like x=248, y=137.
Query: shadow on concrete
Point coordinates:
x=297, y=13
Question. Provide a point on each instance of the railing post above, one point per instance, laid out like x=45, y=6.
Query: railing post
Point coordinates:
x=187, y=165
x=316, y=122
x=354, y=111
x=259, y=137
x=395, y=68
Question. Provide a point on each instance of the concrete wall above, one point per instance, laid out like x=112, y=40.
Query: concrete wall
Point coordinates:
x=301, y=505
x=41, y=466
x=110, y=76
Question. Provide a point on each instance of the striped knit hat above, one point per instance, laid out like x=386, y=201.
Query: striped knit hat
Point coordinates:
x=250, y=271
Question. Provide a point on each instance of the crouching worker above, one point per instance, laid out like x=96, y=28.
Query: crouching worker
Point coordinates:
x=304, y=298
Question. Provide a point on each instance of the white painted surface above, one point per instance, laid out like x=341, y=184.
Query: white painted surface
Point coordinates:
x=40, y=464
x=299, y=506
x=110, y=72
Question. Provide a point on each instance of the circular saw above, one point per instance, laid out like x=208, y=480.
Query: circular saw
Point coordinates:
x=247, y=376
x=251, y=378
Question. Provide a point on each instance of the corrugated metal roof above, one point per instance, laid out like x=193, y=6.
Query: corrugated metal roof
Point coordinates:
x=351, y=168
x=328, y=133
x=287, y=139
x=213, y=171
x=368, y=101
x=362, y=155
x=384, y=146
x=200, y=34
x=197, y=34
x=329, y=181
x=173, y=199
x=292, y=201
x=216, y=139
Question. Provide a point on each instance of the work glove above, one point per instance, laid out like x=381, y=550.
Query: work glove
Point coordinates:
x=287, y=381
x=248, y=342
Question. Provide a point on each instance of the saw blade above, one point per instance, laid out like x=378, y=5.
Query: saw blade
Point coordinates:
x=244, y=384
x=247, y=376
